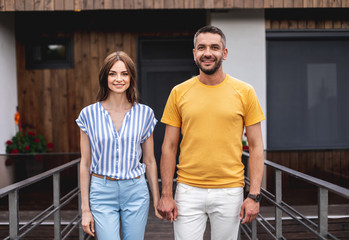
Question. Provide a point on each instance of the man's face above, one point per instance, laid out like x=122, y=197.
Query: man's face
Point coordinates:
x=209, y=52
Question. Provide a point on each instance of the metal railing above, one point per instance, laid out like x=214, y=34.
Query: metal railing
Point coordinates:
x=12, y=191
x=320, y=229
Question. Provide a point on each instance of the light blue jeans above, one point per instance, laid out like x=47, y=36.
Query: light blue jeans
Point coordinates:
x=125, y=201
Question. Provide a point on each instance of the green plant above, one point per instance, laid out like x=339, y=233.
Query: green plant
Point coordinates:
x=27, y=142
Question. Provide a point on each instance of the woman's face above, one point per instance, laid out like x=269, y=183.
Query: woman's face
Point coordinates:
x=118, y=78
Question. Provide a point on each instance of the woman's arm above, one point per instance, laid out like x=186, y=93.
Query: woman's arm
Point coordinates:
x=151, y=171
x=87, y=218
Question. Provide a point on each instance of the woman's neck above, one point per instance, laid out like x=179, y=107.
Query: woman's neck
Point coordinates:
x=116, y=102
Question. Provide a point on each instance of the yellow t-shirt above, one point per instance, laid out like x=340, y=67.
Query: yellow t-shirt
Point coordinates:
x=212, y=119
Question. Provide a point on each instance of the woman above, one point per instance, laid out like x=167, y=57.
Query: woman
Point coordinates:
x=116, y=132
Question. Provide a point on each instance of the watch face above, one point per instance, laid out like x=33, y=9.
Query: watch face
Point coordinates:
x=258, y=198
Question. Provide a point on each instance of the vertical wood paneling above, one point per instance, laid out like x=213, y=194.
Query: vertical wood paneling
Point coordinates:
x=90, y=4
x=188, y=4
x=169, y=4
x=94, y=65
x=238, y=4
x=288, y=4
x=69, y=5
x=317, y=3
x=10, y=5
x=20, y=5
x=73, y=111
x=78, y=4
x=38, y=5
x=47, y=107
x=42, y=5
x=258, y=3
x=49, y=5
x=108, y=4
x=268, y=3
x=297, y=3
x=158, y=4
x=59, y=5
x=55, y=101
x=307, y=3
x=278, y=3
x=329, y=165
x=179, y=4
x=98, y=4
x=216, y=4
x=248, y=4
x=129, y=4
x=148, y=4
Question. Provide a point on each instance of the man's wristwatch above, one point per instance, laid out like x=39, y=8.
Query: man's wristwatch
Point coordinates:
x=257, y=197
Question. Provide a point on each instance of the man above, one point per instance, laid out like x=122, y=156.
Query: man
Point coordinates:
x=210, y=111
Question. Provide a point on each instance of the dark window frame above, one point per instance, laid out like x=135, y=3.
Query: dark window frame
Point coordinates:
x=44, y=42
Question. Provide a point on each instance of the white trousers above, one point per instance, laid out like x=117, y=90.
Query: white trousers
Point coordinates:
x=195, y=205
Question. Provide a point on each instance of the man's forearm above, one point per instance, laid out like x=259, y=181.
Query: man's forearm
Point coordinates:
x=256, y=166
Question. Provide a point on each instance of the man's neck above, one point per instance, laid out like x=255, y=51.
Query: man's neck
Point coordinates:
x=213, y=79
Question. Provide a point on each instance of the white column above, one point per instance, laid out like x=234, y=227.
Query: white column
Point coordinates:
x=245, y=33
x=8, y=90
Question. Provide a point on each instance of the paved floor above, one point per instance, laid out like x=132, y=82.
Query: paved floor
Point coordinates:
x=158, y=229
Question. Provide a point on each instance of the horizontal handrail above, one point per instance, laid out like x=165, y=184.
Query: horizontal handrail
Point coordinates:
x=344, y=192
x=26, y=182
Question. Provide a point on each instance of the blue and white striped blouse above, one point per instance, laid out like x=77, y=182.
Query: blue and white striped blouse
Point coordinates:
x=115, y=153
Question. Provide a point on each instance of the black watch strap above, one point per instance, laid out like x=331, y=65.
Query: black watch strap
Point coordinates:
x=257, y=197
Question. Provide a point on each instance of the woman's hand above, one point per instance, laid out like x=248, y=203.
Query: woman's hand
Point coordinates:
x=88, y=224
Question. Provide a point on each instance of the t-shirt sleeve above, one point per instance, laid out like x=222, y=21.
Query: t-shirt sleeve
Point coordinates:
x=253, y=110
x=150, y=122
x=171, y=114
x=81, y=121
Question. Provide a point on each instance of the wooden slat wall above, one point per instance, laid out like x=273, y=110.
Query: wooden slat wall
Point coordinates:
x=58, y=95
x=306, y=24
x=71, y=5
x=328, y=165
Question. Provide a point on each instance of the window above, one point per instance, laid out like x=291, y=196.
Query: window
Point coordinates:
x=50, y=53
x=307, y=90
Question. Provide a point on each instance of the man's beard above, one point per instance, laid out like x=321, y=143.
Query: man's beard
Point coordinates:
x=212, y=70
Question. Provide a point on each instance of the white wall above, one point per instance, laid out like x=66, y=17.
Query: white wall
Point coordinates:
x=8, y=91
x=245, y=34
x=8, y=79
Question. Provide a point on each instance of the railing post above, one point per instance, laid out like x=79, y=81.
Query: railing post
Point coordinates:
x=13, y=213
x=81, y=231
x=56, y=203
x=254, y=230
x=278, y=199
x=323, y=211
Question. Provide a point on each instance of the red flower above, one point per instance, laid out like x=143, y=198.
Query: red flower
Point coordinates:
x=14, y=151
x=27, y=148
x=37, y=140
x=31, y=134
x=8, y=142
x=50, y=145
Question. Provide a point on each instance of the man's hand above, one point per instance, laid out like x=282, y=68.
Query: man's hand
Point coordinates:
x=249, y=210
x=168, y=208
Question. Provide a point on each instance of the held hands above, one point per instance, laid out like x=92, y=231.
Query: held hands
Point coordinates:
x=88, y=223
x=249, y=210
x=167, y=209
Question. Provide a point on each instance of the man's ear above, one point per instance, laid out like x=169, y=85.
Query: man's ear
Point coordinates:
x=225, y=53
